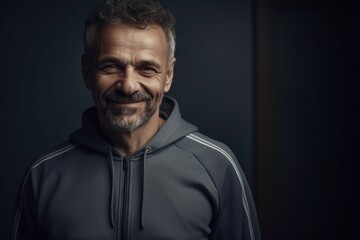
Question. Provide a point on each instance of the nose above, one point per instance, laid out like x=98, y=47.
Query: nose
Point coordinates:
x=128, y=83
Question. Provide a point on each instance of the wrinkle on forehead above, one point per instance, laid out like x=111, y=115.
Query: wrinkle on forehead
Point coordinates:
x=149, y=42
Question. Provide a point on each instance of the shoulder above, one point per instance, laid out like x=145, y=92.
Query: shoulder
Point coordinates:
x=41, y=167
x=52, y=156
x=205, y=147
x=215, y=156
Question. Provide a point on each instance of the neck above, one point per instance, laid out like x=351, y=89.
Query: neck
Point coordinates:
x=129, y=143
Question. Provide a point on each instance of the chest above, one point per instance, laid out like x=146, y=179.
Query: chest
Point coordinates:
x=131, y=201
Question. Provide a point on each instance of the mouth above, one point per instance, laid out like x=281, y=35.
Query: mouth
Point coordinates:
x=126, y=100
x=125, y=103
x=121, y=101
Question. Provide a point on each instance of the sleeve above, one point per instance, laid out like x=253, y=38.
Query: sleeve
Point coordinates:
x=25, y=225
x=236, y=218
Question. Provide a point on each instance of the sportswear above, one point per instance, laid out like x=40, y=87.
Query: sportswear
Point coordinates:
x=181, y=186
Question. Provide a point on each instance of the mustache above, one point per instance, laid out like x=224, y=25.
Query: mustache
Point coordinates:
x=120, y=97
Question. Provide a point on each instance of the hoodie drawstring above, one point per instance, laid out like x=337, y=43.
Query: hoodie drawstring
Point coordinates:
x=112, y=194
x=147, y=149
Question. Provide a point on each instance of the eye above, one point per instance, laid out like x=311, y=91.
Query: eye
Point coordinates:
x=110, y=68
x=148, y=70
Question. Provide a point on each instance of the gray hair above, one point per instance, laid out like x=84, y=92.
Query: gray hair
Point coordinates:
x=137, y=13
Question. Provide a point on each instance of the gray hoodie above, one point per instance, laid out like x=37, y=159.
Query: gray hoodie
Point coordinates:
x=181, y=186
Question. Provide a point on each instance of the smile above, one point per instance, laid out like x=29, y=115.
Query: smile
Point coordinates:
x=125, y=103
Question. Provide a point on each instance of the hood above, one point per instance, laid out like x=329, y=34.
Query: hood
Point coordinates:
x=175, y=127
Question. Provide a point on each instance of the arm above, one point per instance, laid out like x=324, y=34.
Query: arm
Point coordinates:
x=236, y=219
x=25, y=225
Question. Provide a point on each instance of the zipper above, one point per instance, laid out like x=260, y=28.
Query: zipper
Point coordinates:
x=119, y=201
x=126, y=192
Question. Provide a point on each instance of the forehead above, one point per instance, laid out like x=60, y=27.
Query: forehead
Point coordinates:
x=132, y=40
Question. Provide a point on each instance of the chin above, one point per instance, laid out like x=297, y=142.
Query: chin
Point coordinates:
x=128, y=119
x=127, y=123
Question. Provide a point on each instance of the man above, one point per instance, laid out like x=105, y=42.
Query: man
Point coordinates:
x=135, y=170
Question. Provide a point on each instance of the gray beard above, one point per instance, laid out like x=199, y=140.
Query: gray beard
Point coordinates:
x=127, y=119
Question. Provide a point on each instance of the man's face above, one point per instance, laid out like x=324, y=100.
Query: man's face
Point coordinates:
x=130, y=75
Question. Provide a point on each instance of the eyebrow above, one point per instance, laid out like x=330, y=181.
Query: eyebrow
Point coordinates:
x=110, y=59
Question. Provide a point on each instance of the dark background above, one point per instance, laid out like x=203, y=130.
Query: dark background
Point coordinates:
x=274, y=80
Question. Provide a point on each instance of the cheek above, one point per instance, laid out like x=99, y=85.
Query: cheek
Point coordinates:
x=99, y=88
x=157, y=86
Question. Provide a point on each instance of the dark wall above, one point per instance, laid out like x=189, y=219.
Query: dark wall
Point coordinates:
x=307, y=175
x=310, y=131
x=42, y=94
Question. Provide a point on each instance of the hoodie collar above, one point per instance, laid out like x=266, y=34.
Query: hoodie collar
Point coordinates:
x=174, y=128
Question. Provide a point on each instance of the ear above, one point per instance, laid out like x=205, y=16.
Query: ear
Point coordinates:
x=86, y=74
x=169, y=75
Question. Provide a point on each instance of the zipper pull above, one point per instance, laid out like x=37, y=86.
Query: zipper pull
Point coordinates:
x=125, y=163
